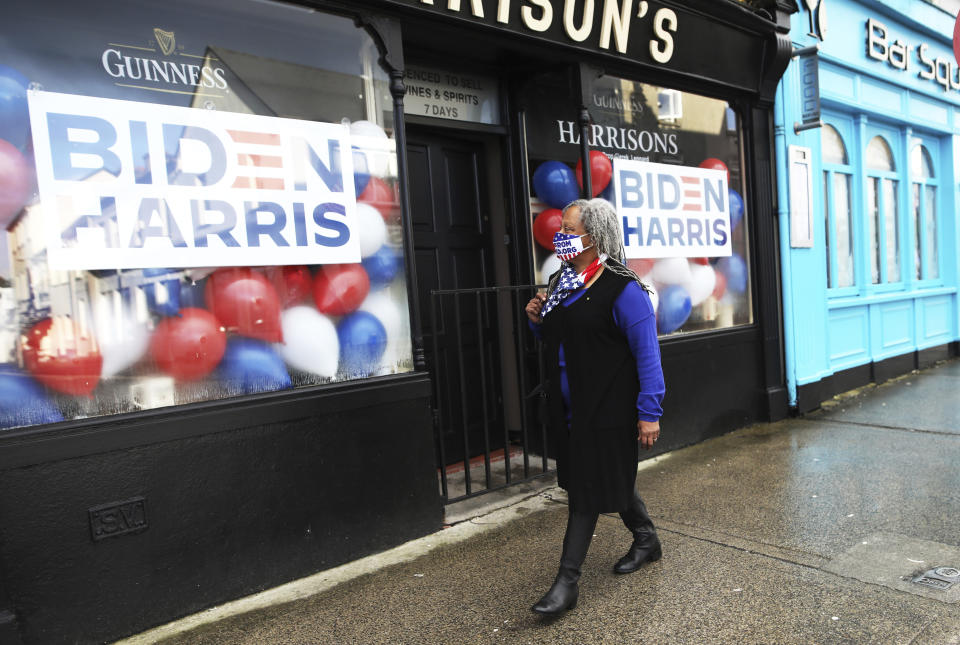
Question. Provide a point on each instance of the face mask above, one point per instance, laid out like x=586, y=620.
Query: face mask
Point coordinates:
x=568, y=245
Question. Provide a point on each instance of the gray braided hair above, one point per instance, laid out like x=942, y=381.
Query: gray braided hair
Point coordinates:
x=599, y=219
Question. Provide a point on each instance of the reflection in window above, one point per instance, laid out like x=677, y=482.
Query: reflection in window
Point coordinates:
x=882, y=212
x=92, y=341
x=891, y=230
x=879, y=156
x=933, y=266
x=924, y=221
x=837, y=179
x=873, y=224
x=834, y=152
x=844, y=236
x=647, y=123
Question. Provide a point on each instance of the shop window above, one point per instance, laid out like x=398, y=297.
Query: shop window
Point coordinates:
x=837, y=180
x=182, y=223
x=681, y=133
x=924, y=221
x=882, y=212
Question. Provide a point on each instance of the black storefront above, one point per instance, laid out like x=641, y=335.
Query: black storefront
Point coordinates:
x=172, y=440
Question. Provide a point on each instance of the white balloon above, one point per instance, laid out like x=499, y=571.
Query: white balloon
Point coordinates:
x=384, y=307
x=701, y=283
x=123, y=340
x=671, y=271
x=365, y=128
x=198, y=274
x=654, y=296
x=371, y=228
x=310, y=342
x=550, y=266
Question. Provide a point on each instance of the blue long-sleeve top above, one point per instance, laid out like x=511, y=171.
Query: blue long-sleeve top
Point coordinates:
x=634, y=316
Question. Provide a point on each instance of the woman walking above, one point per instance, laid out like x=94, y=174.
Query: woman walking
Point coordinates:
x=605, y=388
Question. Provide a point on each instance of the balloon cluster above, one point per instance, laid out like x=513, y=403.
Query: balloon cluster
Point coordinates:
x=248, y=328
x=678, y=285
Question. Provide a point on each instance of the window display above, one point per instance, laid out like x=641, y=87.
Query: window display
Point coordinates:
x=671, y=162
x=193, y=208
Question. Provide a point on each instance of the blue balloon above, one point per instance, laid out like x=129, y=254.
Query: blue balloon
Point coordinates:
x=14, y=116
x=23, y=402
x=674, y=309
x=363, y=339
x=162, y=297
x=735, y=271
x=382, y=267
x=555, y=184
x=250, y=366
x=736, y=209
x=361, y=171
x=192, y=294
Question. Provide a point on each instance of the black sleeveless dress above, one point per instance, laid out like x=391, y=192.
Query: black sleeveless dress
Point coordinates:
x=597, y=454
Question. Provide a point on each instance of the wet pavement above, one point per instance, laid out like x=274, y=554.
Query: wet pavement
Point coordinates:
x=804, y=531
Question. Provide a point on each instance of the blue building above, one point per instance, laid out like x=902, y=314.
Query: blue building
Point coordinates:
x=868, y=202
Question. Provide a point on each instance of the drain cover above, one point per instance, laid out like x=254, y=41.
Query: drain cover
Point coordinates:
x=939, y=578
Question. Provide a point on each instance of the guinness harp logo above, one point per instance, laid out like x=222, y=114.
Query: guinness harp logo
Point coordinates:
x=166, y=40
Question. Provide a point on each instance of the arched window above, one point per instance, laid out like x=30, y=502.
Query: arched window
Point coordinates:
x=837, y=179
x=882, y=212
x=924, y=223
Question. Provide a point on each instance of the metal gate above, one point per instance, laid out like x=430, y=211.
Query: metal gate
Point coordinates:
x=487, y=396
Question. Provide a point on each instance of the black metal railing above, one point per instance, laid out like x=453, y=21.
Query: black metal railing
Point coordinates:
x=487, y=373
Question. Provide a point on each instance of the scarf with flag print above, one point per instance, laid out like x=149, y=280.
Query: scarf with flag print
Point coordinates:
x=569, y=282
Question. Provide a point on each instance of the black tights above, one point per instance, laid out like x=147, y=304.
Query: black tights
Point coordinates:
x=580, y=527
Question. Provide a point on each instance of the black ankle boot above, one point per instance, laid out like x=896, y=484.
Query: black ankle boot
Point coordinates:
x=645, y=548
x=562, y=596
x=564, y=592
x=646, y=544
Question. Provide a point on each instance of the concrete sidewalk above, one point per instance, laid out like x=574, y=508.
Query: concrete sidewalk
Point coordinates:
x=804, y=531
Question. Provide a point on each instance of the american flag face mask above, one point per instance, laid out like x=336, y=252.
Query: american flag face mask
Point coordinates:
x=568, y=245
x=569, y=282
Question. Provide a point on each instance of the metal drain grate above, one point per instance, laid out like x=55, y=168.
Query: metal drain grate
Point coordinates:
x=939, y=578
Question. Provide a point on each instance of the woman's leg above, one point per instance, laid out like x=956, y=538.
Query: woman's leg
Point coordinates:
x=564, y=592
x=646, y=544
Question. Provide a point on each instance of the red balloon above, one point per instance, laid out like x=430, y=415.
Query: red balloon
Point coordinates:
x=703, y=261
x=339, y=289
x=62, y=355
x=189, y=345
x=601, y=170
x=956, y=40
x=721, y=286
x=292, y=283
x=545, y=225
x=245, y=302
x=715, y=164
x=16, y=181
x=641, y=266
x=385, y=199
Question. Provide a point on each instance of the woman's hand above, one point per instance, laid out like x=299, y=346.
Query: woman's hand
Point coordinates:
x=534, y=306
x=648, y=433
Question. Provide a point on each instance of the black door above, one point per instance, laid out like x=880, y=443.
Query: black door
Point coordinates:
x=450, y=208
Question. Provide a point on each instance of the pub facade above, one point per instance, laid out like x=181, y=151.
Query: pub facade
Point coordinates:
x=868, y=196
x=265, y=263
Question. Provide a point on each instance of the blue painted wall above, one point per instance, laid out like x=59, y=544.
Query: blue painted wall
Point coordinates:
x=831, y=329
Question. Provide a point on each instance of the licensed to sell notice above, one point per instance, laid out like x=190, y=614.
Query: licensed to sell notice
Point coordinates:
x=451, y=95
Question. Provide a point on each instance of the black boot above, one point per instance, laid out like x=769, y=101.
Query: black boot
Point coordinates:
x=646, y=544
x=564, y=592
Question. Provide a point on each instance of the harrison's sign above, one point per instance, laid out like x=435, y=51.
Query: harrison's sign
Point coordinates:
x=612, y=25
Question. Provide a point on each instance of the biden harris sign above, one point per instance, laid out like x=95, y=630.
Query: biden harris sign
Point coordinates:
x=672, y=211
x=136, y=185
